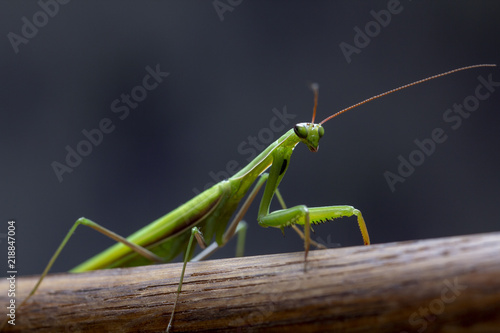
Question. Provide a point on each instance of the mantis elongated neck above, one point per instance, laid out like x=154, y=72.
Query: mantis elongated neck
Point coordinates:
x=260, y=163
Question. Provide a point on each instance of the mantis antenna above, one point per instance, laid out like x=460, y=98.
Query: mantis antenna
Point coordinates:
x=392, y=90
x=315, y=89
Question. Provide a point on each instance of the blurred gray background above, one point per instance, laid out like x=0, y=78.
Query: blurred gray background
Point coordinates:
x=228, y=71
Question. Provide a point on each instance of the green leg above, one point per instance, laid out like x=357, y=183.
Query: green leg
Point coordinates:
x=304, y=216
x=240, y=232
x=83, y=221
x=299, y=214
x=236, y=227
x=294, y=227
x=195, y=233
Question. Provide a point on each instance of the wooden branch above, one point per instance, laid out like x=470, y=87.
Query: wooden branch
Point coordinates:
x=440, y=285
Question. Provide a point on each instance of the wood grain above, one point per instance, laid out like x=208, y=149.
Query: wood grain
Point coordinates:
x=438, y=285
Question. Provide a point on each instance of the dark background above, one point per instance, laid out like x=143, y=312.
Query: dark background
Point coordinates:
x=225, y=79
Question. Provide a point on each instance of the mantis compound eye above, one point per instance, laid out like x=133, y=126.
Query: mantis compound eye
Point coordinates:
x=301, y=131
x=321, y=131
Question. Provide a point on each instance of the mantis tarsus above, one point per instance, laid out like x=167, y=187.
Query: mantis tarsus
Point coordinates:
x=210, y=211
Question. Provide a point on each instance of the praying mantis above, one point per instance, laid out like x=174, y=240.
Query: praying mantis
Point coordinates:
x=211, y=214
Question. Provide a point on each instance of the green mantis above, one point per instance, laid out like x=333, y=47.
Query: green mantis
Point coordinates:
x=209, y=215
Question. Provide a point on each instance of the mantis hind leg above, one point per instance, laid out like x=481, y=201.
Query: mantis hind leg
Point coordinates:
x=84, y=221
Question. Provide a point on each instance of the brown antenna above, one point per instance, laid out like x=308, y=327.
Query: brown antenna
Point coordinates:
x=315, y=89
x=396, y=89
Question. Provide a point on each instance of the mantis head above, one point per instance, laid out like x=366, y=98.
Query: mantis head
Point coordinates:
x=309, y=134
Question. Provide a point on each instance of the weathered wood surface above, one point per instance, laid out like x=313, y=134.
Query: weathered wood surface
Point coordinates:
x=438, y=285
